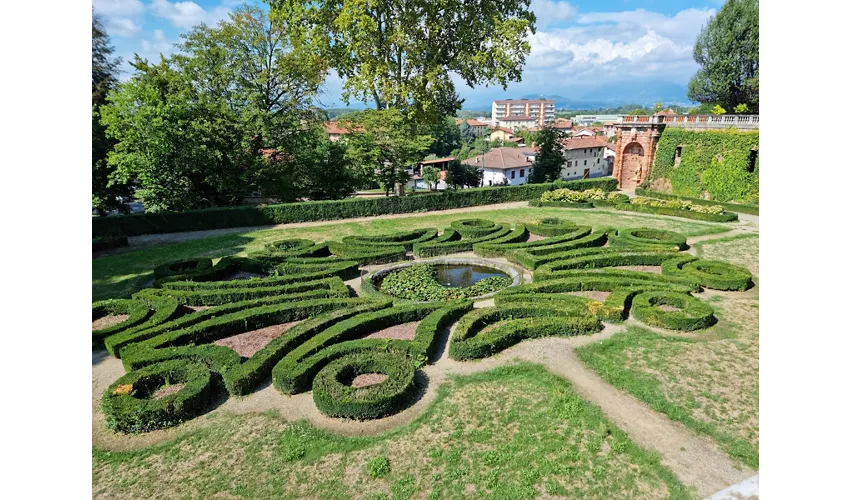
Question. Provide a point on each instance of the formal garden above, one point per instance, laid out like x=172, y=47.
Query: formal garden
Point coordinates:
x=328, y=350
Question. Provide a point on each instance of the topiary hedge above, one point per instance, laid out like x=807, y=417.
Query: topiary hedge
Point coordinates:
x=690, y=313
x=484, y=332
x=419, y=283
x=106, y=242
x=368, y=255
x=129, y=407
x=216, y=218
x=405, y=239
x=585, y=258
x=137, y=312
x=551, y=226
x=336, y=397
x=687, y=214
x=649, y=238
x=326, y=287
x=735, y=207
x=560, y=204
x=533, y=257
x=499, y=232
x=473, y=228
x=709, y=273
x=284, y=249
x=499, y=248
x=183, y=267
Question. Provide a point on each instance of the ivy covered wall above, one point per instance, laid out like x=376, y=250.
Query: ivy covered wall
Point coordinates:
x=715, y=163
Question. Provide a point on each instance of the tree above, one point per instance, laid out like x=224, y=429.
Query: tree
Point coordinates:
x=727, y=49
x=657, y=107
x=459, y=175
x=403, y=53
x=741, y=109
x=382, y=144
x=191, y=128
x=467, y=133
x=703, y=109
x=549, y=159
x=107, y=190
x=718, y=110
x=446, y=136
x=639, y=111
x=431, y=175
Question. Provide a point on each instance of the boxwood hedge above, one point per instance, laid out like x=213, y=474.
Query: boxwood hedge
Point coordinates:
x=691, y=313
x=712, y=274
x=649, y=238
x=688, y=214
x=735, y=207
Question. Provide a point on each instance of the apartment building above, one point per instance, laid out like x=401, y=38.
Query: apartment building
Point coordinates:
x=586, y=157
x=540, y=111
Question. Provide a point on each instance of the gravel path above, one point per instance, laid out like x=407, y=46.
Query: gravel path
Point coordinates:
x=696, y=460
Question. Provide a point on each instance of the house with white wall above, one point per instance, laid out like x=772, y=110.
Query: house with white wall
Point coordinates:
x=585, y=158
x=504, y=166
x=517, y=122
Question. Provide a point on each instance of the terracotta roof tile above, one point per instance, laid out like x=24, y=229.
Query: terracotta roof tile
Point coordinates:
x=583, y=142
x=502, y=158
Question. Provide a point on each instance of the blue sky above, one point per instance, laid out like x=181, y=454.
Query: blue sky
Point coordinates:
x=579, y=45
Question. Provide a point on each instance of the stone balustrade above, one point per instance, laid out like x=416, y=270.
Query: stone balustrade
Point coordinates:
x=694, y=121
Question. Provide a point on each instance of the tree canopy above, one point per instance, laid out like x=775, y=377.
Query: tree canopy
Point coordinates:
x=727, y=49
x=402, y=53
x=549, y=159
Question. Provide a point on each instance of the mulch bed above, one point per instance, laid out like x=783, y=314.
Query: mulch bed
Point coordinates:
x=197, y=308
x=248, y=343
x=404, y=331
x=367, y=379
x=167, y=391
x=107, y=321
x=595, y=295
x=645, y=269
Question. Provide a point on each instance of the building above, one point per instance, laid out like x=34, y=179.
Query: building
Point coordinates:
x=480, y=128
x=665, y=112
x=586, y=132
x=541, y=110
x=518, y=122
x=337, y=131
x=504, y=166
x=562, y=125
x=585, y=158
x=609, y=129
x=501, y=134
x=591, y=119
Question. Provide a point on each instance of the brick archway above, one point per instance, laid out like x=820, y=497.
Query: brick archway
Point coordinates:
x=632, y=166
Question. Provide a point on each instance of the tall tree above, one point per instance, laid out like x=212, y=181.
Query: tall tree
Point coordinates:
x=549, y=159
x=191, y=128
x=381, y=143
x=446, y=136
x=402, y=53
x=107, y=192
x=727, y=49
x=459, y=175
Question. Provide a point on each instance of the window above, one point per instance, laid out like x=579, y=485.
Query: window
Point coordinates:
x=585, y=162
x=569, y=164
x=522, y=172
x=513, y=174
x=751, y=166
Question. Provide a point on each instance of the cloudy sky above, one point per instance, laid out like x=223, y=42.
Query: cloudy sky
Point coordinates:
x=579, y=45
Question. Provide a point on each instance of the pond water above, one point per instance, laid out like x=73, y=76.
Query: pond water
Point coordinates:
x=464, y=275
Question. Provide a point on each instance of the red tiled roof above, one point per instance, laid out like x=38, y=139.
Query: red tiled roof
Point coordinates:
x=502, y=158
x=503, y=129
x=562, y=123
x=336, y=129
x=583, y=142
x=472, y=123
x=666, y=112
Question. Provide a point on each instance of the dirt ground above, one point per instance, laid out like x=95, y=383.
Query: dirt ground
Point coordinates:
x=696, y=460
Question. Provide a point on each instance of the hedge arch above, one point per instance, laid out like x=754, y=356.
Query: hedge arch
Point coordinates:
x=690, y=313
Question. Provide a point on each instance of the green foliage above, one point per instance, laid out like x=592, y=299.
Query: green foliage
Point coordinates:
x=718, y=110
x=189, y=130
x=689, y=313
x=688, y=214
x=383, y=143
x=549, y=160
x=459, y=175
x=570, y=196
x=106, y=242
x=715, y=163
x=727, y=50
x=431, y=175
x=447, y=137
x=649, y=238
x=678, y=204
x=379, y=467
x=550, y=226
x=418, y=282
x=737, y=207
x=401, y=54
x=711, y=274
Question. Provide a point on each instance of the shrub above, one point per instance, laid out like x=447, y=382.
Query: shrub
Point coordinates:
x=137, y=311
x=429, y=249
x=551, y=226
x=649, y=238
x=499, y=247
x=326, y=287
x=692, y=314
x=570, y=196
x=560, y=204
x=128, y=406
x=368, y=255
x=419, y=283
x=735, y=207
x=379, y=467
x=183, y=267
x=711, y=274
x=475, y=336
x=585, y=258
x=336, y=397
x=473, y=228
x=284, y=249
x=688, y=214
x=405, y=239
x=106, y=242
x=533, y=257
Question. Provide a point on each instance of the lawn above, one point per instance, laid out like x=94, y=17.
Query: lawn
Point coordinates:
x=514, y=432
x=709, y=383
x=122, y=274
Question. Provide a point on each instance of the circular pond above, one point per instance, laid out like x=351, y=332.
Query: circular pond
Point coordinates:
x=442, y=279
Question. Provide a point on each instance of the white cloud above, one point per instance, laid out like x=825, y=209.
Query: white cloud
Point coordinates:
x=121, y=26
x=551, y=12
x=117, y=7
x=188, y=14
